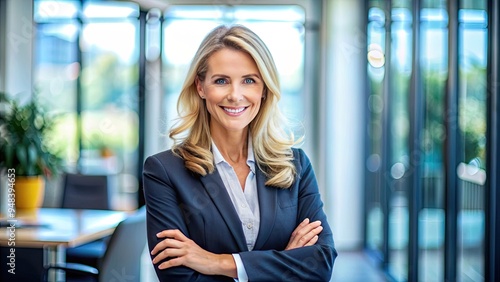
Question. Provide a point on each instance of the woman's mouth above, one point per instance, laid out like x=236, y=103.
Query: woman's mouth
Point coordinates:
x=234, y=111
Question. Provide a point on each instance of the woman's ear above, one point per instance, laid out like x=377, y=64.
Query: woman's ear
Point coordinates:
x=199, y=87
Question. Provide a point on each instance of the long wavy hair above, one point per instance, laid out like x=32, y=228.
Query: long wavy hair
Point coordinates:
x=272, y=144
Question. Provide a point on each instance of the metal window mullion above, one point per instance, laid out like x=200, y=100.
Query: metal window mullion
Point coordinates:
x=452, y=148
x=385, y=176
x=142, y=104
x=416, y=108
x=492, y=197
x=368, y=195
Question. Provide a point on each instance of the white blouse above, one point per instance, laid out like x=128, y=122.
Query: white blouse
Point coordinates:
x=246, y=203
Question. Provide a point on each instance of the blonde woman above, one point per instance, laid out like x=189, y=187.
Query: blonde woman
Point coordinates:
x=233, y=199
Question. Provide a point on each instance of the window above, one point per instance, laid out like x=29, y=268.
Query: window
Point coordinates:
x=86, y=70
x=434, y=70
x=426, y=190
x=376, y=72
x=398, y=153
x=473, y=44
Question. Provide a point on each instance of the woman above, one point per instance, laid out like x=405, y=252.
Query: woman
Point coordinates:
x=232, y=198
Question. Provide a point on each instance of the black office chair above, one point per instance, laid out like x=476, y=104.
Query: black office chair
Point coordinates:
x=83, y=191
x=122, y=259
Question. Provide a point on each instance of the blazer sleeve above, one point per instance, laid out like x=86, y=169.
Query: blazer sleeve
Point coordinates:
x=163, y=212
x=312, y=263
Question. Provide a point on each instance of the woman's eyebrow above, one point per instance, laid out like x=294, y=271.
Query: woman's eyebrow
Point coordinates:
x=227, y=76
x=252, y=74
x=219, y=75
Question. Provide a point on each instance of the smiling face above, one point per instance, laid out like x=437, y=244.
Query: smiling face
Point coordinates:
x=232, y=88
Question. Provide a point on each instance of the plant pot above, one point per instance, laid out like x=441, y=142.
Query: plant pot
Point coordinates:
x=30, y=192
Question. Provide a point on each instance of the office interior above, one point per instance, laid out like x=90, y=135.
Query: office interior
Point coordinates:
x=398, y=102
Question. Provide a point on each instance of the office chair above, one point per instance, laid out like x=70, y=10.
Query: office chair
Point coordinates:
x=121, y=260
x=83, y=191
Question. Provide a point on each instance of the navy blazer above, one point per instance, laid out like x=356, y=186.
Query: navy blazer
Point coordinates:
x=200, y=207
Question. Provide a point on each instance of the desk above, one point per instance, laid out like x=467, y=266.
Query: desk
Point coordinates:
x=54, y=230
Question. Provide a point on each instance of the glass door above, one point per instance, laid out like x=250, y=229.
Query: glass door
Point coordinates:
x=376, y=210
x=399, y=170
x=473, y=42
x=434, y=65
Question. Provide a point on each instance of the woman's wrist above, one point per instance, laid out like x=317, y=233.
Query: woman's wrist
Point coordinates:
x=226, y=265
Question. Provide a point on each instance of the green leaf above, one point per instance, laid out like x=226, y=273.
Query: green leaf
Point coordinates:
x=32, y=159
x=22, y=157
x=22, y=131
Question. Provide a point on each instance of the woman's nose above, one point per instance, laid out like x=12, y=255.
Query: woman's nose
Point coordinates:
x=235, y=95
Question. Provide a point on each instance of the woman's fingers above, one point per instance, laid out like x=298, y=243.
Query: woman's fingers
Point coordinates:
x=173, y=237
x=304, y=234
x=305, y=238
x=306, y=229
x=300, y=226
x=170, y=263
x=163, y=244
x=312, y=241
x=170, y=252
x=176, y=249
x=172, y=233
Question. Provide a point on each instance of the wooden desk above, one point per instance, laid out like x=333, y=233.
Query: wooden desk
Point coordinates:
x=54, y=230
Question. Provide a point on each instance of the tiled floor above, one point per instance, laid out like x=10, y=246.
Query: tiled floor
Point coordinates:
x=355, y=267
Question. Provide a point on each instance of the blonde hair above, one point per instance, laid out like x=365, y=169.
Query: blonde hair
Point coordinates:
x=272, y=144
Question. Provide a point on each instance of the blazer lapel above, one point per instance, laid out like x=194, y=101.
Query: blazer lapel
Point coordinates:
x=215, y=188
x=267, y=205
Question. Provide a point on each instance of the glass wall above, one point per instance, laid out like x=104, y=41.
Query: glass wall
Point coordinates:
x=85, y=71
x=375, y=218
x=57, y=68
x=473, y=44
x=409, y=167
x=398, y=132
x=434, y=71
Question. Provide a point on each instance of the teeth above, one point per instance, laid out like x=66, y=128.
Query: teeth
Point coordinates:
x=234, y=111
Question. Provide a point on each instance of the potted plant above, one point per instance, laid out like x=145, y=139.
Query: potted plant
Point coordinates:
x=24, y=150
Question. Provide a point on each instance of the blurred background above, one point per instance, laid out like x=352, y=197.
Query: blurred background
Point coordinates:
x=398, y=101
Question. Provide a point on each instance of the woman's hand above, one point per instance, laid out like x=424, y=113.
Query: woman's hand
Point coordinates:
x=306, y=234
x=180, y=250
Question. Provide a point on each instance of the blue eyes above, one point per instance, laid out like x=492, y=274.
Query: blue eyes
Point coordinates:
x=225, y=81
